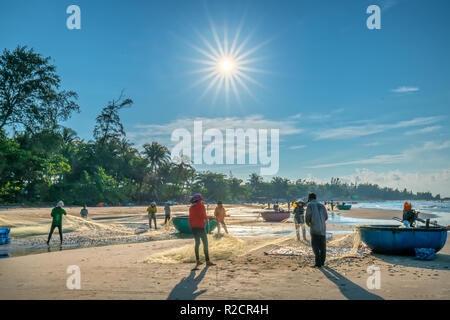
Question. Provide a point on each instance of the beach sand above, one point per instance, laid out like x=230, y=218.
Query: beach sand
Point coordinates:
x=127, y=271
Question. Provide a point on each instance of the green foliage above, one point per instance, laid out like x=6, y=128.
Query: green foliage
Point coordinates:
x=30, y=95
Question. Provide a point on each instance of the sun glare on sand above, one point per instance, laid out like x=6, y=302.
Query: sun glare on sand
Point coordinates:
x=227, y=63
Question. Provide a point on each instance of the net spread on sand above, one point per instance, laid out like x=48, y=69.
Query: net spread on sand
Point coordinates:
x=220, y=248
x=227, y=246
x=345, y=247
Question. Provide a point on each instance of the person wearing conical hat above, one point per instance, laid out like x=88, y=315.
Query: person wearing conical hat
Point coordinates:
x=220, y=214
x=197, y=222
x=151, y=210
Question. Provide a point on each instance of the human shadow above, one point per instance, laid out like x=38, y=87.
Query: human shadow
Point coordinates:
x=348, y=288
x=185, y=289
x=441, y=262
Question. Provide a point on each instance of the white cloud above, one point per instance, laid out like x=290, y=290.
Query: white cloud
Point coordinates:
x=297, y=147
x=372, y=144
x=144, y=133
x=423, y=130
x=379, y=159
x=405, y=89
x=406, y=155
x=349, y=132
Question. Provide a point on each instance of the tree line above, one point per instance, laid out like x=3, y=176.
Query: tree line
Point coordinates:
x=41, y=161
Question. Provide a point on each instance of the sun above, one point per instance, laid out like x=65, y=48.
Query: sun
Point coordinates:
x=227, y=63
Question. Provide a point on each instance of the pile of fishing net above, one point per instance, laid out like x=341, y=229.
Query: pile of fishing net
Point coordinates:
x=223, y=247
x=347, y=246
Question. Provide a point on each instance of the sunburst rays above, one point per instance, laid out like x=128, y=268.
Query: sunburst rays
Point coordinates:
x=226, y=65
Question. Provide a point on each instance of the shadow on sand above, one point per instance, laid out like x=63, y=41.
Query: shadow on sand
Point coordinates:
x=348, y=288
x=441, y=262
x=185, y=289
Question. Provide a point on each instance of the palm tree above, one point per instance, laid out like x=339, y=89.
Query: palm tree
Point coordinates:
x=255, y=181
x=156, y=154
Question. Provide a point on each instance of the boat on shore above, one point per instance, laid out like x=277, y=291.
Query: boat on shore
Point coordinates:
x=275, y=216
x=344, y=206
x=402, y=241
x=181, y=223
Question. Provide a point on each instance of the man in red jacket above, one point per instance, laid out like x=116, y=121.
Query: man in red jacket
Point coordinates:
x=197, y=222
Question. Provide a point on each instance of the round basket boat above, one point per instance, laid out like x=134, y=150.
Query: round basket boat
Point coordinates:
x=394, y=240
x=181, y=223
x=344, y=206
x=4, y=238
x=275, y=216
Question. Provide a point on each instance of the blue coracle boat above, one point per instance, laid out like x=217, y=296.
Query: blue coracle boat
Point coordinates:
x=181, y=223
x=402, y=241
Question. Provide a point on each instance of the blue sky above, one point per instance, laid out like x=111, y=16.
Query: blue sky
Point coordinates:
x=364, y=105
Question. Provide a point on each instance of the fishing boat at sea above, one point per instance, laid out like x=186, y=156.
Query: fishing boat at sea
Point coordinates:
x=391, y=239
x=181, y=223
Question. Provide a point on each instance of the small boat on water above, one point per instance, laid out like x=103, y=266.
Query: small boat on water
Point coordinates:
x=274, y=216
x=344, y=206
x=402, y=241
x=181, y=223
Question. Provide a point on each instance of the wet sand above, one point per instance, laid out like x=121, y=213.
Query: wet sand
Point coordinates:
x=123, y=272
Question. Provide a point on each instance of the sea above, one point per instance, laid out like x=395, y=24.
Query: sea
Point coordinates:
x=441, y=209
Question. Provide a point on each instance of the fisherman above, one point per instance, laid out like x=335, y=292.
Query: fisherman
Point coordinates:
x=151, y=210
x=197, y=222
x=84, y=212
x=299, y=218
x=276, y=207
x=409, y=215
x=56, y=214
x=332, y=205
x=166, y=212
x=316, y=215
x=220, y=215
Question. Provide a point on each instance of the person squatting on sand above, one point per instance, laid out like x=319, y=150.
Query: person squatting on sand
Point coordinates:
x=220, y=215
x=151, y=210
x=56, y=214
x=84, y=212
x=299, y=218
x=316, y=215
x=197, y=222
x=166, y=212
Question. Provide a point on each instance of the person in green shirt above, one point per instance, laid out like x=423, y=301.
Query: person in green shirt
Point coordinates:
x=56, y=214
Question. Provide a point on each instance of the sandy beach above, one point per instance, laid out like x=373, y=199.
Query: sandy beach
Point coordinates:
x=156, y=264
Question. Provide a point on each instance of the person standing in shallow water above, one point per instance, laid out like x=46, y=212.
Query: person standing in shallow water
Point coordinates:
x=316, y=215
x=220, y=215
x=197, y=222
x=57, y=214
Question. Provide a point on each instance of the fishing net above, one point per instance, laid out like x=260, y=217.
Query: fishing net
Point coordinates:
x=220, y=248
x=347, y=246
